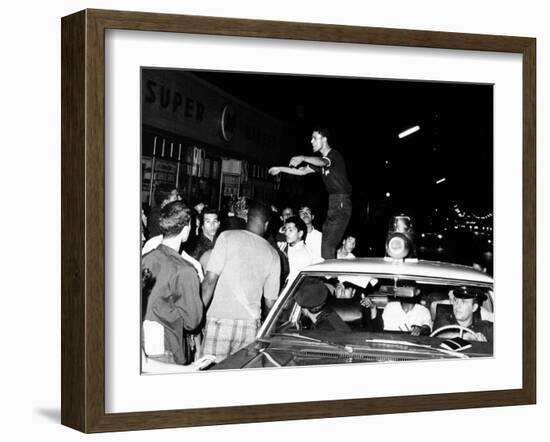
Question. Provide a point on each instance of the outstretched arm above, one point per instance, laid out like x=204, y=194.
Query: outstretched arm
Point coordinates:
x=314, y=161
x=290, y=170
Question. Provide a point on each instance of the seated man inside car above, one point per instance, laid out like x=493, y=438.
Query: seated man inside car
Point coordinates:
x=465, y=312
x=312, y=298
x=405, y=314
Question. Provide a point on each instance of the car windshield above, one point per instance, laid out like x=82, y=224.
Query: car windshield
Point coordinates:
x=321, y=304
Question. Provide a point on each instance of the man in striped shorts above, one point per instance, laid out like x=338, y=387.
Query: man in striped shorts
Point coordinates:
x=243, y=269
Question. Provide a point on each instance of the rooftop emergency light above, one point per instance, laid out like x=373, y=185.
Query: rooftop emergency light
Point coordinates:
x=400, y=240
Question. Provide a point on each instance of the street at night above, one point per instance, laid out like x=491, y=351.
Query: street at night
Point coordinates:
x=441, y=175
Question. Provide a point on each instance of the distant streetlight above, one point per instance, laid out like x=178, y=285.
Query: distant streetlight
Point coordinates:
x=409, y=131
x=440, y=180
x=388, y=194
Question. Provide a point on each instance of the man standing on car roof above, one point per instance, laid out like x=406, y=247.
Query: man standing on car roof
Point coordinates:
x=332, y=167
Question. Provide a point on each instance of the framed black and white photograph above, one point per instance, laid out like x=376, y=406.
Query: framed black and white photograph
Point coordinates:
x=268, y=205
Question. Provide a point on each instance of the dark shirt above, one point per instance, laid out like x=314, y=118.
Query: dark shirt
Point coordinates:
x=334, y=174
x=444, y=316
x=330, y=321
x=202, y=244
x=174, y=300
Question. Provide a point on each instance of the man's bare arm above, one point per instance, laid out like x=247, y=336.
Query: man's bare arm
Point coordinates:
x=314, y=161
x=208, y=286
x=290, y=170
x=271, y=284
x=269, y=303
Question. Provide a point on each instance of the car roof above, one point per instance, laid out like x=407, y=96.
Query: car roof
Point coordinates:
x=416, y=268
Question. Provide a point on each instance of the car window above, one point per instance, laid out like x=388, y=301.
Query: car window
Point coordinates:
x=287, y=315
x=369, y=303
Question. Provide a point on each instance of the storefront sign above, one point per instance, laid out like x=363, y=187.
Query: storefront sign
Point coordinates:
x=174, y=100
x=182, y=104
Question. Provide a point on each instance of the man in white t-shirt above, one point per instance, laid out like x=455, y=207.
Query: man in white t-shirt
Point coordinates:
x=314, y=238
x=406, y=315
x=243, y=270
x=298, y=254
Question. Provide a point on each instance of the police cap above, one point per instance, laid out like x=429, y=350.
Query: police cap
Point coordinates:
x=465, y=292
x=313, y=293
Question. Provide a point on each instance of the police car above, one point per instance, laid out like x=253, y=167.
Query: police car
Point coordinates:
x=386, y=309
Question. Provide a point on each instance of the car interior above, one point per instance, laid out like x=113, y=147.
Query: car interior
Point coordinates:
x=348, y=290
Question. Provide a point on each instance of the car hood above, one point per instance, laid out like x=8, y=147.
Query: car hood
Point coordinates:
x=289, y=350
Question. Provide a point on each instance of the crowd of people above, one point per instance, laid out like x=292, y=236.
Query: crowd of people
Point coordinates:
x=208, y=280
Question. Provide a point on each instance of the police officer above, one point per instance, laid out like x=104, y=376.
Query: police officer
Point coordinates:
x=466, y=305
x=312, y=297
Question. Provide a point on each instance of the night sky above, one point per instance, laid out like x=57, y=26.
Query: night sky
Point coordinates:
x=365, y=116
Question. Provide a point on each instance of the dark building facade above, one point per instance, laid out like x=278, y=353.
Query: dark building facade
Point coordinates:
x=205, y=142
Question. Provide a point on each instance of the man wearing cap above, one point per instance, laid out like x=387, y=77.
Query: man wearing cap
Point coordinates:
x=312, y=297
x=465, y=312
